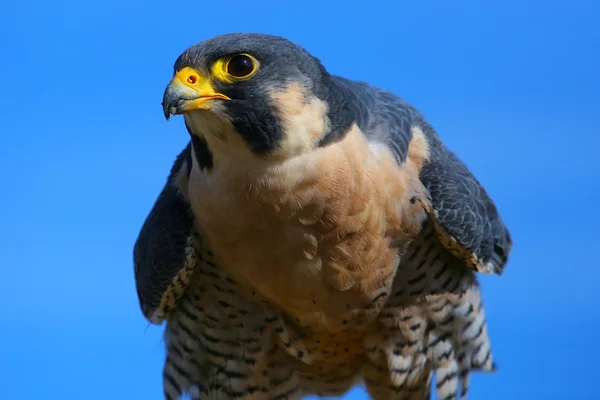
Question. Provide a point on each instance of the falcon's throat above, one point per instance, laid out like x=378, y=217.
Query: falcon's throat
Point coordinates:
x=215, y=137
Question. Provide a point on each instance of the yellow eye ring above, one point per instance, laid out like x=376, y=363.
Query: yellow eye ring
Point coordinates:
x=235, y=67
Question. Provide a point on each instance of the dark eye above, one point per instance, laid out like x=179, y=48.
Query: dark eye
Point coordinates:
x=240, y=66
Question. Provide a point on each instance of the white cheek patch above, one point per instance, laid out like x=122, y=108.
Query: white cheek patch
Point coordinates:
x=303, y=116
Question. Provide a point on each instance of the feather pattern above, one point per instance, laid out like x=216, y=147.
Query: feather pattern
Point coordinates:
x=425, y=314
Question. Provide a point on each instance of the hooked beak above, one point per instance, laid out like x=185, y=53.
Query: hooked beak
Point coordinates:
x=188, y=91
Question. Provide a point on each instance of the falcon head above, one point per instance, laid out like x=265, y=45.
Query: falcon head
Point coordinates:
x=256, y=94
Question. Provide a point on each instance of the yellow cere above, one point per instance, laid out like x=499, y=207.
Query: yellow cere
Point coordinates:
x=194, y=80
x=189, y=78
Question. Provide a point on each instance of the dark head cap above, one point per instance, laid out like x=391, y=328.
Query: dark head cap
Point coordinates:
x=272, y=93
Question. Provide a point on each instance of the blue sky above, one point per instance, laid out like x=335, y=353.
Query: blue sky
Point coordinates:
x=513, y=88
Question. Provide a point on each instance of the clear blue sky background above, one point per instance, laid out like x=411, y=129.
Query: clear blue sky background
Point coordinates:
x=512, y=86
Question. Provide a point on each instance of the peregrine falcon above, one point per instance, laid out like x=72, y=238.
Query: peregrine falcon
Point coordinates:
x=314, y=234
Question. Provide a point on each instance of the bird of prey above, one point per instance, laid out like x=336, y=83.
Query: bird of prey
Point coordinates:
x=314, y=234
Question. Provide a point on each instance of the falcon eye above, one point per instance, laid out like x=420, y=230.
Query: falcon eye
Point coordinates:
x=241, y=66
x=235, y=67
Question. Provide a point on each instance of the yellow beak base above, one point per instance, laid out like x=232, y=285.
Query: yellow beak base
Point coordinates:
x=188, y=91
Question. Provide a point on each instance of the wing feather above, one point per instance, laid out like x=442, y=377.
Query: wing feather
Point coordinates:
x=466, y=218
x=164, y=255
